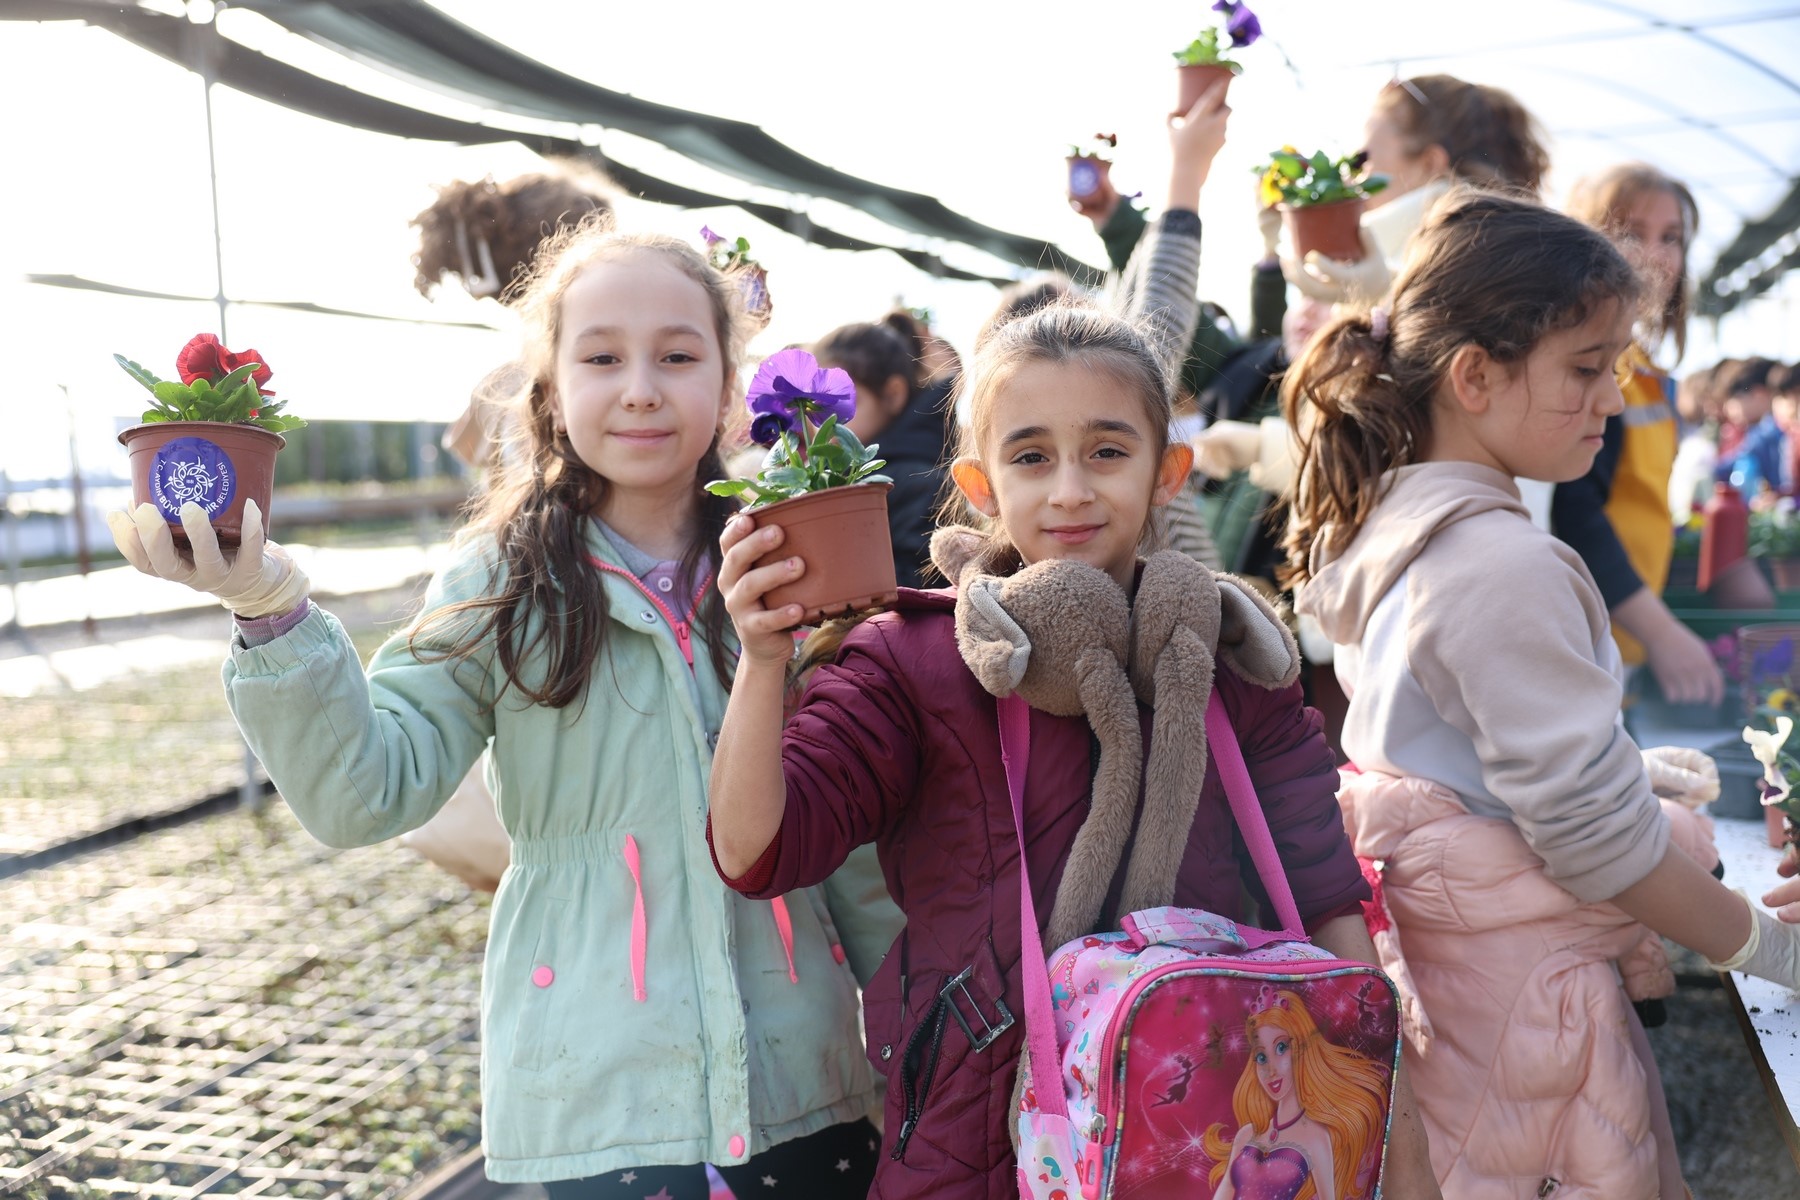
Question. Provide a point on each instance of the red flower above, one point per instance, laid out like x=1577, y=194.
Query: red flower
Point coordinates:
x=204, y=358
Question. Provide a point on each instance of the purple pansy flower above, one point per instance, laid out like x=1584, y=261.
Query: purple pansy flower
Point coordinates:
x=767, y=429
x=709, y=237
x=790, y=375
x=1240, y=22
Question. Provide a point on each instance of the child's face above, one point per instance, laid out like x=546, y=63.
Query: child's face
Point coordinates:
x=640, y=376
x=1655, y=241
x=1544, y=419
x=1072, y=467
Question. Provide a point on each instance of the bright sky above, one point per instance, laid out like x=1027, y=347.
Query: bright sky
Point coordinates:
x=971, y=102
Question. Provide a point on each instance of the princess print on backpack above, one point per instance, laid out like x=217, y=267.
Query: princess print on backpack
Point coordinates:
x=1307, y=1107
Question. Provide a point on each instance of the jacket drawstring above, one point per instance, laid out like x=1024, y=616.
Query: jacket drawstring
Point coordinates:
x=639, y=928
x=784, y=925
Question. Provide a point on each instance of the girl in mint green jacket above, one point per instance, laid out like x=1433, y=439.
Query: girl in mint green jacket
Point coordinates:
x=639, y=1019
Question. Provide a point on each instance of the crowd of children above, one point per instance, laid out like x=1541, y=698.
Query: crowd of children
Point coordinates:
x=750, y=914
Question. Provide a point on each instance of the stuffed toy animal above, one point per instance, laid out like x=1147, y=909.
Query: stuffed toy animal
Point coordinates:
x=1063, y=636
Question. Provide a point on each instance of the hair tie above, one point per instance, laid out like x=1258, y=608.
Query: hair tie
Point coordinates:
x=1378, y=323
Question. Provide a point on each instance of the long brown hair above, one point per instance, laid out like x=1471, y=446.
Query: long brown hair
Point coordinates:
x=1605, y=201
x=1491, y=139
x=1486, y=270
x=545, y=596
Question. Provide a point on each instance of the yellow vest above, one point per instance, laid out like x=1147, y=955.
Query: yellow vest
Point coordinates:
x=1638, y=506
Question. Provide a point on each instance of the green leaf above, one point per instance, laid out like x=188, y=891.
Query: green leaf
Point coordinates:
x=729, y=487
x=824, y=436
x=279, y=424
x=875, y=479
x=867, y=467
x=238, y=376
x=172, y=393
x=849, y=440
x=153, y=415
x=834, y=456
x=784, y=477
x=138, y=373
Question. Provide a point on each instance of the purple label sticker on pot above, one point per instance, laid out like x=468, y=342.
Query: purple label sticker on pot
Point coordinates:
x=1084, y=178
x=192, y=468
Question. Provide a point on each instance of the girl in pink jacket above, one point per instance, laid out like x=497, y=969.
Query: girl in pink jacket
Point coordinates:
x=1521, y=838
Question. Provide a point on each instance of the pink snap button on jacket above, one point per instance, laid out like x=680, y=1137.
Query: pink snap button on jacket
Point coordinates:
x=543, y=977
x=736, y=1145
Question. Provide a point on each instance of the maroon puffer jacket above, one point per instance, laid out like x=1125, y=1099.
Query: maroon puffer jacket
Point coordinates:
x=897, y=743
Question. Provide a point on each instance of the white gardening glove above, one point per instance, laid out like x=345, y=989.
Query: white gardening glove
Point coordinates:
x=1771, y=952
x=1360, y=283
x=1277, y=457
x=259, y=580
x=1685, y=776
x=1225, y=447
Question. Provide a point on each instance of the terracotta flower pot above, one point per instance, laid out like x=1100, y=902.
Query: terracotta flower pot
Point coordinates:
x=1334, y=230
x=216, y=465
x=841, y=534
x=1785, y=572
x=1191, y=83
x=1090, y=182
x=1741, y=587
x=1779, y=832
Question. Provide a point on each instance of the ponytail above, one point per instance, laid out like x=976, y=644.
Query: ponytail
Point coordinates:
x=1354, y=423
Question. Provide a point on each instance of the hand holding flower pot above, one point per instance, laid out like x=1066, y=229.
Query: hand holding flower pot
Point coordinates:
x=820, y=485
x=209, y=440
x=1091, y=191
x=1321, y=200
x=1202, y=63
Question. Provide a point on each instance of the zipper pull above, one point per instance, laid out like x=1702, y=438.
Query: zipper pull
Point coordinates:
x=905, y=1135
x=684, y=638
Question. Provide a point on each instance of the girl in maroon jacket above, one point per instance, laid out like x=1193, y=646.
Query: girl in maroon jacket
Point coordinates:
x=895, y=740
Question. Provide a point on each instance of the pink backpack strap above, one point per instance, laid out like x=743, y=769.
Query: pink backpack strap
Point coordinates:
x=1040, y=1027
x=1246, y=810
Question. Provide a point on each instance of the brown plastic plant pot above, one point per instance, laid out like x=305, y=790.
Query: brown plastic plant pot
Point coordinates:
x=1090, y=182
x=1334, y=230
x=1193, y=82
x=215, y=464
x=841, y=534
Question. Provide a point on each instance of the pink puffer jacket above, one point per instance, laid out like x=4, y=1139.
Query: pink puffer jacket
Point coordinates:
x=1519, y=1037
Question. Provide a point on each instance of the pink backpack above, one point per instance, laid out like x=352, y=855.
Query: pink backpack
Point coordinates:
x=1188, y=1051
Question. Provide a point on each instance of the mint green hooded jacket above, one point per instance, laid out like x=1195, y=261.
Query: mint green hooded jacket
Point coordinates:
x=635, y=1011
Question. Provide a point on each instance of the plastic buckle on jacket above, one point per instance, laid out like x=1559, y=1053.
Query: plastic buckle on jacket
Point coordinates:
x=989, y=1030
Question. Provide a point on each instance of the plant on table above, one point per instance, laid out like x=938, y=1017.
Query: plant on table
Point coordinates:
x=1774, y=538
x=1768, y=734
